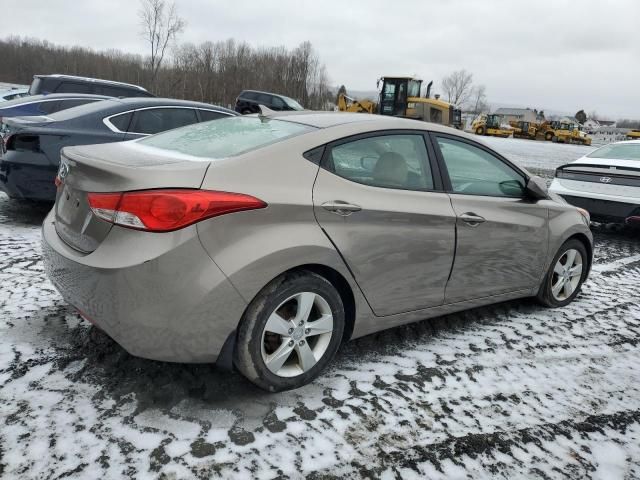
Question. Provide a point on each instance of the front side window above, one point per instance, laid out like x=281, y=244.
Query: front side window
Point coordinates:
x=474, y=171
x=226, y=137
x=277, y=103
x=390, y=161
x=155, y=120
x=71, y=87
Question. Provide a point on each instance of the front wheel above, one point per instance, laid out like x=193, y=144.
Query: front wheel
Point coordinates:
x=566, y=274
x=480, y=131
x=290, y=332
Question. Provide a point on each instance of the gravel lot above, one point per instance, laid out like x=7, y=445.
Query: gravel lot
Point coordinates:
x=508, y=391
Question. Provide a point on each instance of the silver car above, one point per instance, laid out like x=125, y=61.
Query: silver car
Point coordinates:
x=268, y=240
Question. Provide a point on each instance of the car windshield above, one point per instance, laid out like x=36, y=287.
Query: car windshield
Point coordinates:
x=618, y=151
x=225, y=137
x=292, y=103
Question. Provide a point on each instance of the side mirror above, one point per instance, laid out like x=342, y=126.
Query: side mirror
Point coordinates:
x=512, y=188
x=537, y=188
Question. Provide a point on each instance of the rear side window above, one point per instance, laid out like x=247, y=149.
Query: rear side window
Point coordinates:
x=389, y=161
x=49, y=107
x=264, y=99
x=72, y=87
x=206, y=115
x=226, y=137
x=277, y=103
x=121, y=122
x=249, y=95
x=157, y=120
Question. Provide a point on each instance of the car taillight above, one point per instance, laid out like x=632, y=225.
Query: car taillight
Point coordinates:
x=167, y=210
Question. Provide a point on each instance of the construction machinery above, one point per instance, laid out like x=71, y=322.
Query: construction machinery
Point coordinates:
x=490, y=124
x=523, y=129
x=633, y=135
x=400, y=97
x=563, y=132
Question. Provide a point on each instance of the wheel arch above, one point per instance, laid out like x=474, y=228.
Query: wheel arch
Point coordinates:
x=582, y=238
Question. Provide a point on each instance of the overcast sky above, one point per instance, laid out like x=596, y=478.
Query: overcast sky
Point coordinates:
x=558, y=55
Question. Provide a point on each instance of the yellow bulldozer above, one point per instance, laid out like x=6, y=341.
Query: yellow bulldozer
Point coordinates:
x=400, y=97
x=490, y=124
x=523, y=129
x=563, y=132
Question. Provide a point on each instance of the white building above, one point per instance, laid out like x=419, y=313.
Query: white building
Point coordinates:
x=517, y=114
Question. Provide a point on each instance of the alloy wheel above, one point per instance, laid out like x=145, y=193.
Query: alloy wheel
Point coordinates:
x=297, y=334
x=567, y=273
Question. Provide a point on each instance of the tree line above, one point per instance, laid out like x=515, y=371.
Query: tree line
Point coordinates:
x=212, y=72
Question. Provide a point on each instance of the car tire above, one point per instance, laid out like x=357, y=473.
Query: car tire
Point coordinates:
x=548, y=294
x=246, y=111
x=274, y=326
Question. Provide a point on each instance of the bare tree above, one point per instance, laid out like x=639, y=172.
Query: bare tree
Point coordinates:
x=457, y=87
x=478, y=103
x=161, y=25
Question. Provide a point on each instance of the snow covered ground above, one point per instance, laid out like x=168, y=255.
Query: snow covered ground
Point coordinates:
x=508, y=391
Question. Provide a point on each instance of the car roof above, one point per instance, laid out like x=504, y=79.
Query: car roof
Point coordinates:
x=50, y=97
x=92, y=80
x=369, y=121
x=113, y=106
x=264, y=93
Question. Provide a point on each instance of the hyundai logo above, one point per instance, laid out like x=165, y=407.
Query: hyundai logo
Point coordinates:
x=605, y=179
x=63, y=171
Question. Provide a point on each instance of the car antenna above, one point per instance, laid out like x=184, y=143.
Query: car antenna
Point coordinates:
x=265, y=113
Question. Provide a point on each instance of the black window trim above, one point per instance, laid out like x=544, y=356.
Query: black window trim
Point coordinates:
x=448, y=187
x=107, y=120
x=431, y=162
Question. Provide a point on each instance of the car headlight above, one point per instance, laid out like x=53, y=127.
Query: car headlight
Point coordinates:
x=585, y=215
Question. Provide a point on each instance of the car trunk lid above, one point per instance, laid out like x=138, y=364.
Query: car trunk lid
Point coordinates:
x=114, y=167
x=619, y=178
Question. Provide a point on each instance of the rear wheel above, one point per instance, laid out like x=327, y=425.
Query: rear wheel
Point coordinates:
x=565, y=276
x=290, y=332
x=246, y=111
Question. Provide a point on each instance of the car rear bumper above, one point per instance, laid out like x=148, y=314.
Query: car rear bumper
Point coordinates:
x=28, y=181
x=161, y=298
x=601, y=206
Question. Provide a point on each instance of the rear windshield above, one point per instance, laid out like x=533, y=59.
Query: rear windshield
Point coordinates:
x=618, y=151
x=226, y=137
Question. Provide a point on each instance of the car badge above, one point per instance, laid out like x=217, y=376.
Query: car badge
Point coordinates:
x=605, y=179
x=63, y=171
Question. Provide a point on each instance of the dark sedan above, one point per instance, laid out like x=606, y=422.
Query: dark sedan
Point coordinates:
x=31, y=145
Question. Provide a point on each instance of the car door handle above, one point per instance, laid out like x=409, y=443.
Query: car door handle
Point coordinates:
x=472, y=219
x=341, y=208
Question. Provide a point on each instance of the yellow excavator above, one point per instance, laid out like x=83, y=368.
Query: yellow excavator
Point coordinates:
x=523, y=129
x=490, y=124
x=400, y=97
x=563, y=132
